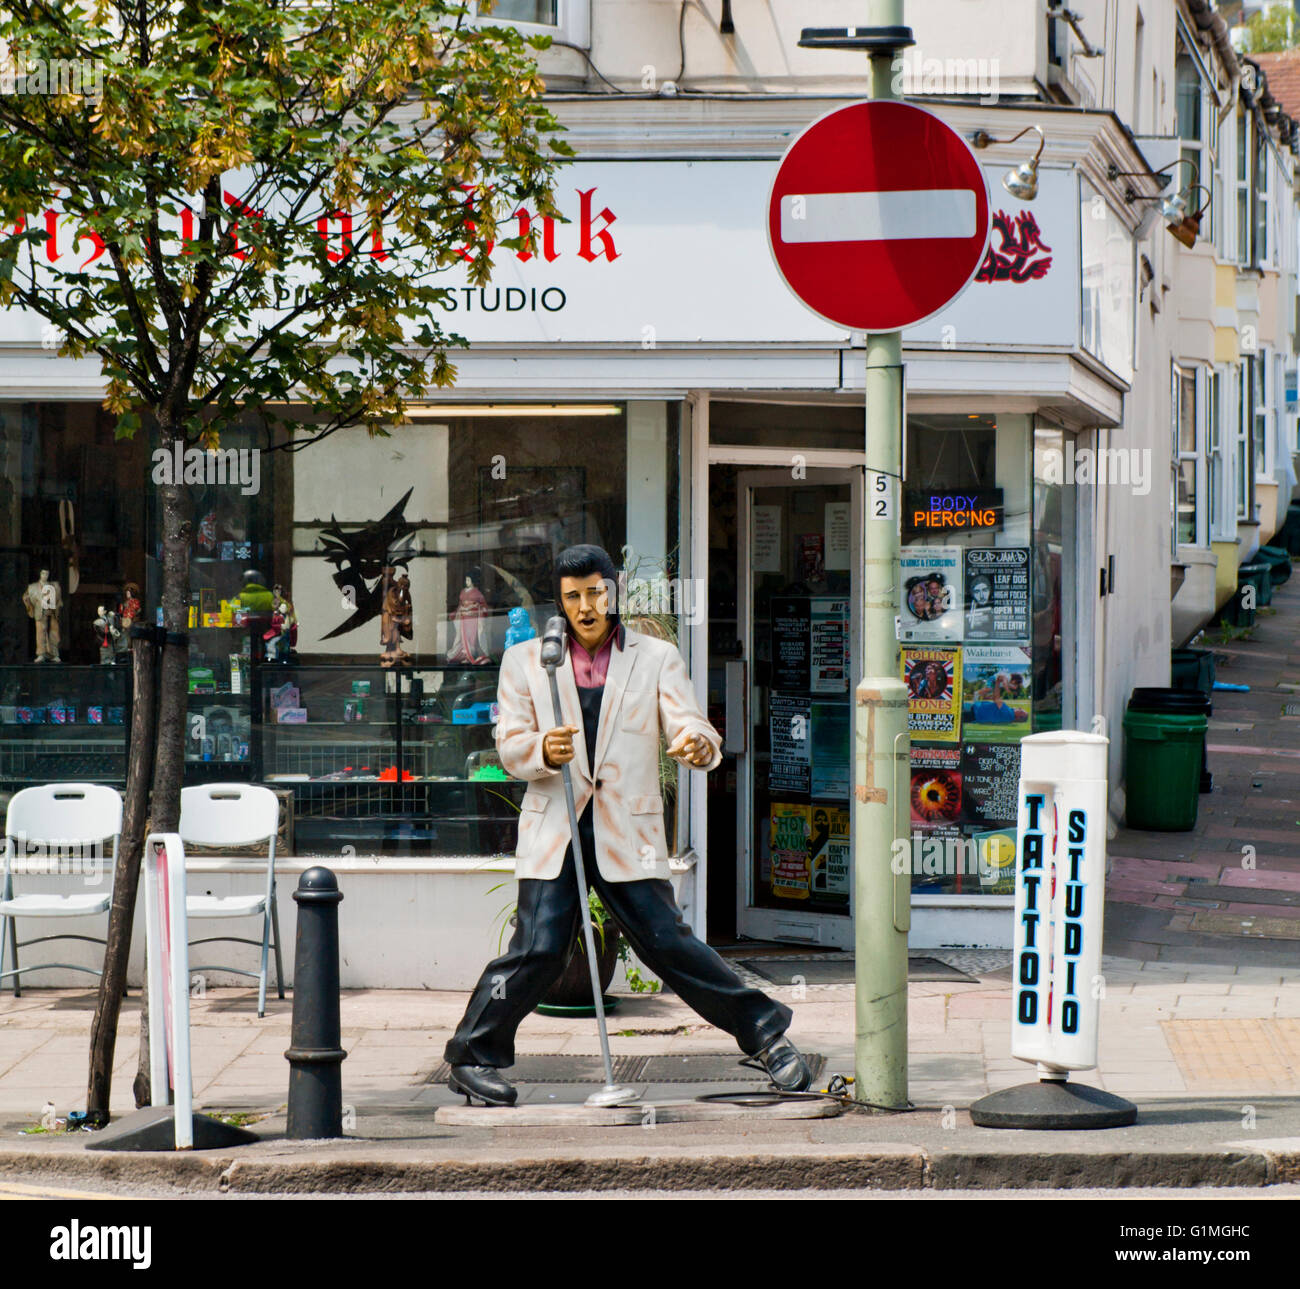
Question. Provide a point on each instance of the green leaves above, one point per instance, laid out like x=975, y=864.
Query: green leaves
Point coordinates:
x=262, y=201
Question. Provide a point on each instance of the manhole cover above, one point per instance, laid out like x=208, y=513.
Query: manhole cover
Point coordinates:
x=664, y=1068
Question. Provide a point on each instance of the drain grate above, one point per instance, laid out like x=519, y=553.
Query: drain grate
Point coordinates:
x=840, y=971
x=656, y=1068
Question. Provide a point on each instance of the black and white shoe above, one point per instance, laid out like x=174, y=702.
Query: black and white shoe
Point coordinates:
x=783, y=1064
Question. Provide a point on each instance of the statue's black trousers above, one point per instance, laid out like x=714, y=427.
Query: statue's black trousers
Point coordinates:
x=548, y=913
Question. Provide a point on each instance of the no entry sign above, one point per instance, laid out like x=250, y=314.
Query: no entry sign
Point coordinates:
x=879, y=215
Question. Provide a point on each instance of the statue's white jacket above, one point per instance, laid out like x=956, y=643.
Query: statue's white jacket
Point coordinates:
x=647, y=691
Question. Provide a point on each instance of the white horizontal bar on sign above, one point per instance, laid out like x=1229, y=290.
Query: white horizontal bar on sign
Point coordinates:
x=877, y=216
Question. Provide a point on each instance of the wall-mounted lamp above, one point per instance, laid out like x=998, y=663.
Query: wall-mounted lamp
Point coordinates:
x=1113, y=172
x=1022, y=181
x=1187, y=227
x=1182, y=224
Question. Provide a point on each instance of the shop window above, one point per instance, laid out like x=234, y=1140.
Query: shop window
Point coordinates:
x=396, y=672
x=980, y=634
x=72, y=506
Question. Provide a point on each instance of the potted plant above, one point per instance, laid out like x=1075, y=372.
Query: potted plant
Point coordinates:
x=572, y=990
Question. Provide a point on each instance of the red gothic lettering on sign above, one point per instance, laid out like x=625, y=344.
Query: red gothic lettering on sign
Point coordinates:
x=549, y=253
x=1013, y=260
x=588, y=232
x=240, y=208
x=187, y=229
x=52, y=235
x=97, y=242
x=344, y=218
x=471, y=226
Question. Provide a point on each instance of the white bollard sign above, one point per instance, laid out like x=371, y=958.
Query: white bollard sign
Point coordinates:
x=1060, y=881
x=169, y=980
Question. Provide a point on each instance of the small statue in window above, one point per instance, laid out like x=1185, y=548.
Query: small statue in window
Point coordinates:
x=395, y=619
x=43, y=600
x=282, y=638
x=471, y=609
x=128, y=613
x=108, y=627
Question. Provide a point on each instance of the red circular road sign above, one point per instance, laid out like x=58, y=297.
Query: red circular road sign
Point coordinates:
x=879, y=215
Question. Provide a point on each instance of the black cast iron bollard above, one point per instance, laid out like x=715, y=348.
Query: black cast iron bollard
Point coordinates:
x=315, y=1057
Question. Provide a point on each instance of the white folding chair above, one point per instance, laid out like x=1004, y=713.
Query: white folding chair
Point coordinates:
x=236, y=814
x=57, y=827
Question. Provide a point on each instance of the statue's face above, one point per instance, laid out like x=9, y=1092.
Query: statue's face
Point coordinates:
x=585, y=601
x=45, y=575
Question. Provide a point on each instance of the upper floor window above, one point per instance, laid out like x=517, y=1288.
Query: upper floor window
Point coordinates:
x=1241, y=184
x=1198, y=129
x=1259, y=168
x=567, y=20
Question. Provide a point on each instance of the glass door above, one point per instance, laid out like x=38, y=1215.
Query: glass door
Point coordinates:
x=800, y=550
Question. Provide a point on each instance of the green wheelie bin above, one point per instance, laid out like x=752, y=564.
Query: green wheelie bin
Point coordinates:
x=1163, y=755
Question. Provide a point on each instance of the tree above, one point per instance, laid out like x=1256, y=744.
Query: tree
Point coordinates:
x=1271, y=30
x=268, y=191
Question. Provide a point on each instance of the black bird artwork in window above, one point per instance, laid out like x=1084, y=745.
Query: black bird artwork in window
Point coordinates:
x=359, y=560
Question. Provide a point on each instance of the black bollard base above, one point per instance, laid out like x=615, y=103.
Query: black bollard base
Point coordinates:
x=154, y=1128
x=1052, y=1105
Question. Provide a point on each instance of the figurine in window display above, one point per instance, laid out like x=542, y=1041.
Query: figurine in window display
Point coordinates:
x=283, y=635
x=128, y=612
x=108, y=626
x=471, y=609
x=521, y=626
x=43, y=599
x=395, y=619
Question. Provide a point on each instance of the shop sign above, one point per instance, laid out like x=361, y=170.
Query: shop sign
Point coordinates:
x=966, y=510
x=663, y=252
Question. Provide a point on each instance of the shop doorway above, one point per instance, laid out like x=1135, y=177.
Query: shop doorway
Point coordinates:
x=785, y=547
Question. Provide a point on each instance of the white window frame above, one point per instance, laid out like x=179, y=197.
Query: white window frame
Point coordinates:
x=1179, y=374
x=1204, y=149
x=1217, y=456
x=1243, y=225
x=1243, y=474
x=572, y=25
x=1263, y=406
x=1261, y=205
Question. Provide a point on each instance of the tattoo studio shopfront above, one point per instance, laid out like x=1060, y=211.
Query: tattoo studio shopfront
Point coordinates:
x=643, y=381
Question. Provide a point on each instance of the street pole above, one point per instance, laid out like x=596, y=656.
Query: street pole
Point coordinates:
x=882, y=907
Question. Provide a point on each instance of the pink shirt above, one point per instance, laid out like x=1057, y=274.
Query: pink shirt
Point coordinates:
x=590, y=672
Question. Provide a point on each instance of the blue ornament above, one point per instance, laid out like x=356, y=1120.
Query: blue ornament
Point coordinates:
x=521, y=627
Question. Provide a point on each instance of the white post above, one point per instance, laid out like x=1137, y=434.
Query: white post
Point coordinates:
x=169, y=981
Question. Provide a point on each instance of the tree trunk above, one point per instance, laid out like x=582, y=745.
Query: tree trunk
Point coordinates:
x=126, y=879
x=169, y=748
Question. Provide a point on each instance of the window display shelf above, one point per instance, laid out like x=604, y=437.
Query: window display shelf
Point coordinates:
x=63, y=722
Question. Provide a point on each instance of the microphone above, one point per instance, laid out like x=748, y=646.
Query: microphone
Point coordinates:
x=553, y=642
